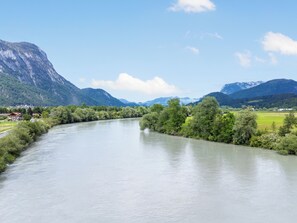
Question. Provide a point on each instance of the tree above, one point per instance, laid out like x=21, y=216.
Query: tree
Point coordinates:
x=157, y=108
x=27, y=117
x=223, y=127
x=149, y=121
x=172, y=117
x=289, y=144
x=289, y=122
x=245, y=127
x=204, y=115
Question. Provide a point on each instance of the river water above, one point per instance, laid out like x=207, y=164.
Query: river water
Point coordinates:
x=110, y=172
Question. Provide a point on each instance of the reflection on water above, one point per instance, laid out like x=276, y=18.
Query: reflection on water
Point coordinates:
x=109, y=171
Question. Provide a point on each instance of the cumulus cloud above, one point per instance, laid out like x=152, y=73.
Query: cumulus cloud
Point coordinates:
x=245, y=58
x=277, y=42
x=193, y=50
x=126, y=82
x=193, y=6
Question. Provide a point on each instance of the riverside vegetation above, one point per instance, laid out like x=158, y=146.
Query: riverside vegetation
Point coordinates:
x=26, y=132
x=208, y=121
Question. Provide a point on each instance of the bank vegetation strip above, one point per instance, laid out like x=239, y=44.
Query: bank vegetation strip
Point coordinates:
x=208, y=121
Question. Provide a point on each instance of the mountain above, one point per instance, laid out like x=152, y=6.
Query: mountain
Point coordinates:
x=28, y=77
x=128, y=103
x=238, y=86
x=273, y=87
x=164, y=100
x=274, y=93
x=101, y=97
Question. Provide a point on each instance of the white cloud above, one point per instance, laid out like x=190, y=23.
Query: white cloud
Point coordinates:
x=245, y=58
x=154, y=87
x=277, y=42
x=192, y=49
x=193, y=6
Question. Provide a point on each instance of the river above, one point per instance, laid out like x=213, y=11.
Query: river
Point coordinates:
x=110, y=172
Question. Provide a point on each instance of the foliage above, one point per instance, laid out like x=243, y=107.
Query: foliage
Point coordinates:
x=289, y=122
x=289, y=144
x=149, y=121
x=266, y=141
x=245, y=127
x=19, y=139
x=172, y=118
x=222, y=130
x=204, y=115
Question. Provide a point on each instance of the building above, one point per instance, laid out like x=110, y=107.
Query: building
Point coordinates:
x=15, y=116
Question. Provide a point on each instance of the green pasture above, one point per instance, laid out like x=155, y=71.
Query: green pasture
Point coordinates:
x=264, y=119
x=5, y=125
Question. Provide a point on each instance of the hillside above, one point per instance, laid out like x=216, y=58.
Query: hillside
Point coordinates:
x=273, y=87
x=28, y=77
x=101, y=97
x=274, y=93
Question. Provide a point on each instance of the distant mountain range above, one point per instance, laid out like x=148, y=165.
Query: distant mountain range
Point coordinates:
x=28, y=77
x=274, y=93
x=162, y=100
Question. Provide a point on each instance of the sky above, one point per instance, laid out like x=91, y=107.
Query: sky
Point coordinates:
x=140, y=50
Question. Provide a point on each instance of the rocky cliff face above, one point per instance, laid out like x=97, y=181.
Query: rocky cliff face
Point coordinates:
x=238, y=86
x=26, y=64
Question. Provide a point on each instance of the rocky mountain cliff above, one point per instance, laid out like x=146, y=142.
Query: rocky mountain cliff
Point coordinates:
x=24, y=65
x=238, y=86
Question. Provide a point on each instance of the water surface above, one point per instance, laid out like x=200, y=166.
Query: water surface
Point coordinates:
x=110, y=171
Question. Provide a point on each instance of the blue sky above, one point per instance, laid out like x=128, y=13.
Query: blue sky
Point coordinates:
x=140, y=50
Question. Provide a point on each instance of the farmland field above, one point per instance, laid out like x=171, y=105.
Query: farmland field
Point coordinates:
x=265, y=119
x=5, y=125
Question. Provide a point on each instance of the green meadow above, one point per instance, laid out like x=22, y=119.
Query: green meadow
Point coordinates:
x=265, y=119
x=5, y=125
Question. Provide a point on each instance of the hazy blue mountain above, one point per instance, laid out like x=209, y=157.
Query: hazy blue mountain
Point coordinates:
x=238, y=86
x=25, y=66
x=129, y=103
x=102, y=97
x=164, y=101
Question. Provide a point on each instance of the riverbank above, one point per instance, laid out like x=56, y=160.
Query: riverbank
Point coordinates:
x=23, y=134
x=207, y=121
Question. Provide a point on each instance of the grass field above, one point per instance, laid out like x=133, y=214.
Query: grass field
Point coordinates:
x=5, y=125
x=265, y=119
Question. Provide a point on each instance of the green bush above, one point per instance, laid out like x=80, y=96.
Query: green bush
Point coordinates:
x=266, y=141
x=288, y=143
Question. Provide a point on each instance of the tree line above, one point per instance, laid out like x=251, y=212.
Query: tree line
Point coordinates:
x=208, y=121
